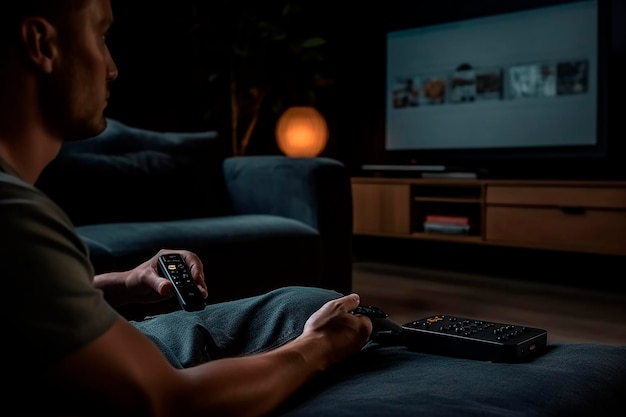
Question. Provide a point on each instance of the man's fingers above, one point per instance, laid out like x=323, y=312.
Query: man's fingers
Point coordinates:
x=351, y=301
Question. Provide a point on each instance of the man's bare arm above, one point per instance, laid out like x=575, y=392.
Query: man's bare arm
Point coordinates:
x=124, y=369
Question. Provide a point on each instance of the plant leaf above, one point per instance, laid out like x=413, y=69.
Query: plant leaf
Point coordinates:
x=312, y=42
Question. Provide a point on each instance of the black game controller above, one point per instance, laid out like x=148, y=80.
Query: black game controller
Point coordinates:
x=370, y=311
x=384, y=330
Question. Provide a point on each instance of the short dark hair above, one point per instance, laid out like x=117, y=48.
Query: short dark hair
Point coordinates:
x=12, y=15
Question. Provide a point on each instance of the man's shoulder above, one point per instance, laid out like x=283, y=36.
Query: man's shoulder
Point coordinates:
x=20, y=200
x=13, y=188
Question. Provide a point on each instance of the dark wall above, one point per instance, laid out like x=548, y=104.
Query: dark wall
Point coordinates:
x=157, y=87
x=149, y=44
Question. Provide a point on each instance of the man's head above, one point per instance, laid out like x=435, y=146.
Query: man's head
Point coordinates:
x=56, y=51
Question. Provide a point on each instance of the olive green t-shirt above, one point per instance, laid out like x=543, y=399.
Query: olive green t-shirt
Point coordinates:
x=48, y=298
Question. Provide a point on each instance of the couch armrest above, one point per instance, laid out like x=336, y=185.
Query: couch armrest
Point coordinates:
x=315, y=191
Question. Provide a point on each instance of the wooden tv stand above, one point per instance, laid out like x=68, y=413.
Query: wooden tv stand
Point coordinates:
x=578, y=216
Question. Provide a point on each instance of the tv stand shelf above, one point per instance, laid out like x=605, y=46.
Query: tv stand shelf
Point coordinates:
x=578, y=216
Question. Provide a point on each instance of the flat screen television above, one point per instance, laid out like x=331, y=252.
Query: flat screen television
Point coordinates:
x=502, y=88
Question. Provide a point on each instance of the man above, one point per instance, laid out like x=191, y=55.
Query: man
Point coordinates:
x=69, y=350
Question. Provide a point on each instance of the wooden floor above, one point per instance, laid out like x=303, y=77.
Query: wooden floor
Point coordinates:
x=569, y=314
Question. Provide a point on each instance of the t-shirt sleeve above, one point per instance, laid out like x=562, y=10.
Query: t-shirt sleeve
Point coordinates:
x=50, y=302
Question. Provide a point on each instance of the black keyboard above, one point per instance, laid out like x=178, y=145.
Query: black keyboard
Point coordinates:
x=474, y=339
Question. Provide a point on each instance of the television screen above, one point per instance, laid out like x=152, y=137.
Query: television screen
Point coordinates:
x=526, y=79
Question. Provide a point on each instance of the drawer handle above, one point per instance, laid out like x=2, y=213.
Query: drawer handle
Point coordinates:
x=578, y=210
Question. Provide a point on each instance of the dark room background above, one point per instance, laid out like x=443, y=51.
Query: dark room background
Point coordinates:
x=158, y=88
x=161, y=87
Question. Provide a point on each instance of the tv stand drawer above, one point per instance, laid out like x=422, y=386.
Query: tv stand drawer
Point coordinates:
x=580, y=229
x=557, y=196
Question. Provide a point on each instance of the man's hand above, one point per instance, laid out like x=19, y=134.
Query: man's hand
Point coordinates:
x=144, y=284
x=341, y=333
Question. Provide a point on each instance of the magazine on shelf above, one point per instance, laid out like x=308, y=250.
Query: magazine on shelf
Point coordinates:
x=446, y=228
x=447, y=219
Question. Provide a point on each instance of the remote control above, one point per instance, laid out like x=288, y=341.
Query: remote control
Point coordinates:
x=384, y=330
x=174, y=268
x=474, y=339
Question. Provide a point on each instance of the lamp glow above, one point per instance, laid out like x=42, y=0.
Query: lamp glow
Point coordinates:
x=301, y=132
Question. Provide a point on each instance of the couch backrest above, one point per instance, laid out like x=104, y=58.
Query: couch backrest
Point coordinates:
x=132, y=174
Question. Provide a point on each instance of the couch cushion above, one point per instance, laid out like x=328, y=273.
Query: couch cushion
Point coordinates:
x=119, y=138
x=129, y=174
x=138, y=186
x=568, y=380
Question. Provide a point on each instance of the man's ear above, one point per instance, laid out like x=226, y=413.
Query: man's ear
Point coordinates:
x=39, y=38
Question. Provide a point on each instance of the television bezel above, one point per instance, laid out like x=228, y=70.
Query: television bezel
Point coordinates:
x=554, y=161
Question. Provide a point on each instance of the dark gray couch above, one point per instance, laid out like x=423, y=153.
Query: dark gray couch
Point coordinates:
x=262, y=222
x=569, y=380
x=257, y=222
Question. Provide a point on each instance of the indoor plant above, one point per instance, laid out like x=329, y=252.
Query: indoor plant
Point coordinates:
x=259, y=57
